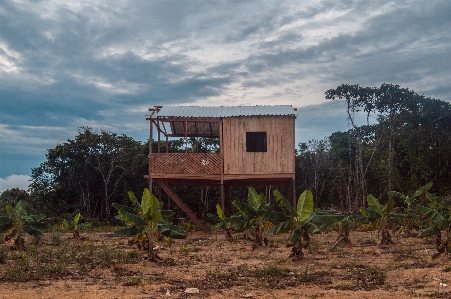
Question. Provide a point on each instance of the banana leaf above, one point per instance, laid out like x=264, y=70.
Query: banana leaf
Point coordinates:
x=128, y=231
x=440, y=201
x=295, y=236
x=253, y=198
x=5, y=226
x=214, y=217
x=374, y=204
x=371, y=214
x=5, y=220
x=431, y=214
x=357, y=218
x=245, y=208
x=420, y=191
x=388, y=207
x=272, y=216
x=242, y=222
x=280, y=198
x=37, y=224
x=166, y=213
x=121, y=208
x=32, y=231
x=170, y=230
x=326, y=219
x=397, y=218
x=305, y=204
x=34, y=218
x=399, y=196
x=310, y=227
x=280, y=228
x=132, y=219
x=430, y=231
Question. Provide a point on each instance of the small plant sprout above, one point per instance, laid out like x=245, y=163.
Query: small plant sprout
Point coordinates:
x=222, y=222
x=170, y=242
x=344, y=227
x=75, y=226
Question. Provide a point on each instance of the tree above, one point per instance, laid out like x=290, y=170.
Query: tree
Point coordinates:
x=12, y=197
x=89, y=172
x=357, y=98
x=315, y=167
x=407, y=147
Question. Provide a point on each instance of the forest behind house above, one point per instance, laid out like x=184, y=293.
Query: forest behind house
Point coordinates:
x=405, y=144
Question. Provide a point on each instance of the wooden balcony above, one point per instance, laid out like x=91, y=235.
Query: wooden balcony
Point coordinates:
x=185, y=165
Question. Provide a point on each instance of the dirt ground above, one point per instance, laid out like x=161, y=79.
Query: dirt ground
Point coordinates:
x=222, y=269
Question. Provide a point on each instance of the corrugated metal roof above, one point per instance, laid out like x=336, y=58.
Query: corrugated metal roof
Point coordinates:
x=224, y=111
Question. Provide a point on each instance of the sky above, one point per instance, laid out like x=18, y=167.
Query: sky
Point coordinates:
x=71, y=64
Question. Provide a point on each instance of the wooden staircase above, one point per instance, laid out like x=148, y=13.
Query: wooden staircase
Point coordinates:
x=183, y=206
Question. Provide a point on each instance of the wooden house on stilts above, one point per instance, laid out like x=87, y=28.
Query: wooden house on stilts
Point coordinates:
x=256, y=147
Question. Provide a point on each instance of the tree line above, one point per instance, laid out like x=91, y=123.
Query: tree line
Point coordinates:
x=404, y=144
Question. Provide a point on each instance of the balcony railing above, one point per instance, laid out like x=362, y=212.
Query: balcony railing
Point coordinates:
x=185, y=163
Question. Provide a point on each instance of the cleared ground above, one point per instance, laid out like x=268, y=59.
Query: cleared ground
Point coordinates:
x=103, y=265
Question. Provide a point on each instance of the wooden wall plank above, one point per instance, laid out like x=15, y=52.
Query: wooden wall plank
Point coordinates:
x=280, y=154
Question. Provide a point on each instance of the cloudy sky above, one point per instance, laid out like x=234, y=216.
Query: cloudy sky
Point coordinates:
x=67, y=64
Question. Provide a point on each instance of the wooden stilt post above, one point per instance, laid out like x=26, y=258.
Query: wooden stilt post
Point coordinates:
x=227, y=200
x=150, y=152
x=223, y=197
x=169, y=198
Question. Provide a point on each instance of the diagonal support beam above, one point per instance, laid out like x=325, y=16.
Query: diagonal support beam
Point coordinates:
x=183, y=206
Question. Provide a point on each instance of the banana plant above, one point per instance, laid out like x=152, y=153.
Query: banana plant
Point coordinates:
x=146, y=221
x=411, y=221
x=298, y=222
x=75, y=226
x=381, y=216
x=18, y=221
x=438, y=219
x=222, y=222
x=255, y=216
x=341, y=222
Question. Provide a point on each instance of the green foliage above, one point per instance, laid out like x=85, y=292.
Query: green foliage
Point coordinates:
x=146, y=220
x=18, y=221
x=222, y=222
x=410, y=201
x=75, y=226
x=12, y=197
x=411, y=219
x=437, y=219
x=88, y=173
x=405, y=143
x=255, y=216
x=381, y=216
x=298, y=221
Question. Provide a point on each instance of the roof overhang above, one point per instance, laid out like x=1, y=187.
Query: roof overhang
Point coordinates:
x=201, y=121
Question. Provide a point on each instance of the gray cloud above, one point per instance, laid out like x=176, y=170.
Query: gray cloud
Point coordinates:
x=69, y=64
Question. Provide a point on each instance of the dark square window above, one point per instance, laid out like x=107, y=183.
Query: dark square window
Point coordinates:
x=255, y=141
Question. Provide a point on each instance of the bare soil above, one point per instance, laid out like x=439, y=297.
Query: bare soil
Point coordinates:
x=223, y=269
